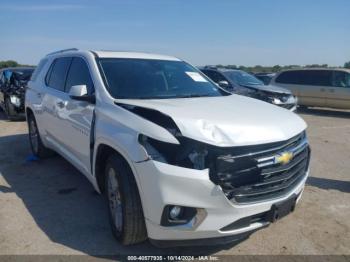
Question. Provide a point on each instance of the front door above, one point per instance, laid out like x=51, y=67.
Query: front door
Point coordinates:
x=76, y=117
x=313, y=87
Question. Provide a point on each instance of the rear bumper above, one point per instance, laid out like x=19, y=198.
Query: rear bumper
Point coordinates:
x=164, y=184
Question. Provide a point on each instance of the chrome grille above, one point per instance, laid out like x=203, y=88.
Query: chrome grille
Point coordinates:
x=257, y=175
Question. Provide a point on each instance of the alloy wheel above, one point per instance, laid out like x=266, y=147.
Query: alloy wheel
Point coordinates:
x=114, y=198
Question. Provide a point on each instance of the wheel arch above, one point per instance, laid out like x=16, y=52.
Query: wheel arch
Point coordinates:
x=29, y=112
x=104, y=150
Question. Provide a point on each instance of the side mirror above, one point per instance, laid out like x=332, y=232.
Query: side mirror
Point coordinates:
x=79, y=92
x=224, y=84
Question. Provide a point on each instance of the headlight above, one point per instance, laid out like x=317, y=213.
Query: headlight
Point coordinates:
x=189, y=153
x=276, y=101
x=15, y=100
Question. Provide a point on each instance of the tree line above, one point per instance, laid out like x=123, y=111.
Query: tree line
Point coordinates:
x=276, y=68
x=10, y=63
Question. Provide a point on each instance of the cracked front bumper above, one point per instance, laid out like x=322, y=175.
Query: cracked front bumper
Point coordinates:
x=163, y=184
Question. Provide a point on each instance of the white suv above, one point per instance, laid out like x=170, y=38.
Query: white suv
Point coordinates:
x=180, y=160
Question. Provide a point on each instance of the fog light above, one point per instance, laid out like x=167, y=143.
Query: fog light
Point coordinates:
x=175, y=212
x=177, y=215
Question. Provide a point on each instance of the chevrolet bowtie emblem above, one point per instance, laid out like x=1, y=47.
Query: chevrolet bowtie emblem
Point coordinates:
x=284, y=158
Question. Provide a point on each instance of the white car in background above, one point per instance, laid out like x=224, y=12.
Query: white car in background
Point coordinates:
x=181, y=161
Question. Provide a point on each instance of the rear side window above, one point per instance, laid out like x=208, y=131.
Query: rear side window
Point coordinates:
x=38, y=69
x=306, y=77
x=58, y=73
x=315, y=77
x=79, y=74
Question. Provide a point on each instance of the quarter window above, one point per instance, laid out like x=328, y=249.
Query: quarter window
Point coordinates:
x=58, y=74
x=79, y=74
x=38, y=69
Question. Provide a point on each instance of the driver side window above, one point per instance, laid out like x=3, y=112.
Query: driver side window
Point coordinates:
x=215, y=76
x=79, y=74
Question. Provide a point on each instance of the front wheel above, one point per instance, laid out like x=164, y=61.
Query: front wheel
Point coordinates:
x=124, y=203
x=35, y=141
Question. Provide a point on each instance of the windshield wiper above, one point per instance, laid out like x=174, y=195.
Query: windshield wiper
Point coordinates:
x=166, y=96
x=194, y=95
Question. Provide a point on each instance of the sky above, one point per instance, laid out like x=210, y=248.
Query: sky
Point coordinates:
x=240, y=32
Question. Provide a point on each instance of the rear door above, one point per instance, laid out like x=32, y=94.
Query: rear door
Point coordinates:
x=338, y=94
x=53, y=100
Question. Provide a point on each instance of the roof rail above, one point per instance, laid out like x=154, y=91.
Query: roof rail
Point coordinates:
x=63, y=50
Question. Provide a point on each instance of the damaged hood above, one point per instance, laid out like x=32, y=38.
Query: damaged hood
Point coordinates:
x=228, y=120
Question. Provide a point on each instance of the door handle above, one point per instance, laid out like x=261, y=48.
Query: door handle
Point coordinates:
x=38, y=95
x=331, y=90
x=61, y=104
x=322, y=89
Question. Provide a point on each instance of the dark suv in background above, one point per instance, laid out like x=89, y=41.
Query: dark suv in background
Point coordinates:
x=243, y=83
x=13, y=83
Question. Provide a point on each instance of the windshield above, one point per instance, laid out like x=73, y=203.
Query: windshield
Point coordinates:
x=243, y=78
x=155, y=79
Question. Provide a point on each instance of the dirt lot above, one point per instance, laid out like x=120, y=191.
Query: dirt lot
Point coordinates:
x=48, y=207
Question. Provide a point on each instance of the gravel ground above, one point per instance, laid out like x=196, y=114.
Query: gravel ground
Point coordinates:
x=48, y=207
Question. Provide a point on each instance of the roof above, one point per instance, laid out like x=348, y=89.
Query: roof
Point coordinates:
x=139, y=55
x=221, y=69
x=117, y=54
x=318, y=68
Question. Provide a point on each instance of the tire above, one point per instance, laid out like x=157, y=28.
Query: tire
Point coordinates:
x=36, y=144
x=124, y=203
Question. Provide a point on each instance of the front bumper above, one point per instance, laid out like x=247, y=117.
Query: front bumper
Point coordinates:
x=291, y=107
x=164, y=184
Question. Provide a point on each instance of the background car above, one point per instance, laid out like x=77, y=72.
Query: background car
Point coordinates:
x=243, y=83
x=265, y=77
x=317, y=87
x=13, y=83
